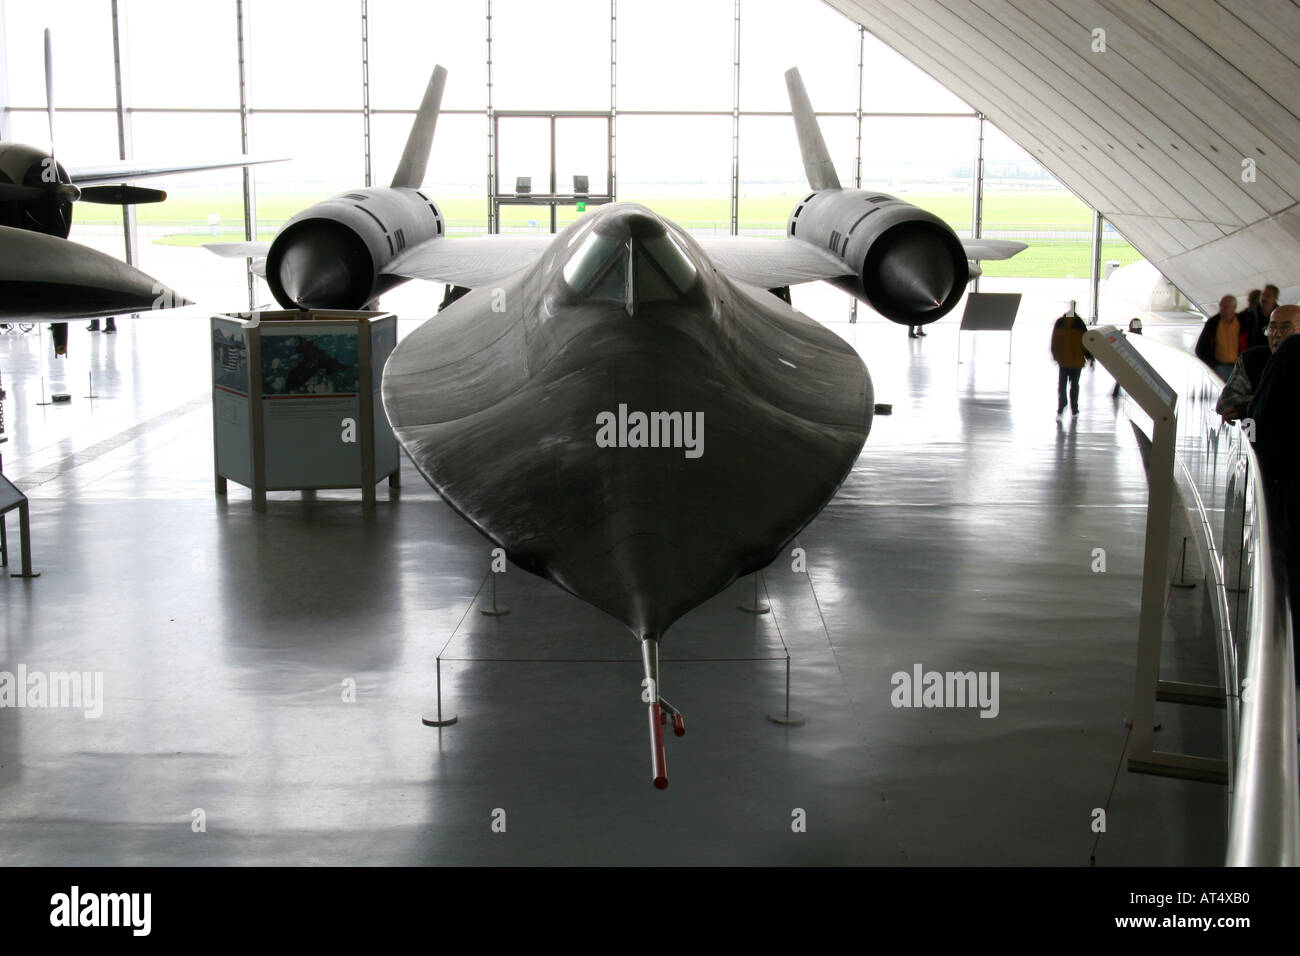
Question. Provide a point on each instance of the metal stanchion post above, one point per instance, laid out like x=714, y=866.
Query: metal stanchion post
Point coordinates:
x=757, y=607
x=439, y=720
x=1182, y=581
x=494, y=611
x=790, y=718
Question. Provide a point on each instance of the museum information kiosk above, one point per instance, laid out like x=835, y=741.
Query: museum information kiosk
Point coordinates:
x=1158, y=399
x=296, y=402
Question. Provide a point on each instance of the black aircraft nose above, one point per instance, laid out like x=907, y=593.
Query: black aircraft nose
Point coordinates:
x=624, y=220
x=630, y=257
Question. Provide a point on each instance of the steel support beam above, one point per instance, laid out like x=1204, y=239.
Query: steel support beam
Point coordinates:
x=245, y=141
x=129, y=234
x=977, y=191
x=1095, y=284
x=735, y=126
x=365, y=86
x=493, y=226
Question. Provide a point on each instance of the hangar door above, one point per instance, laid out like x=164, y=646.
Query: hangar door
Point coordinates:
x=547, y=168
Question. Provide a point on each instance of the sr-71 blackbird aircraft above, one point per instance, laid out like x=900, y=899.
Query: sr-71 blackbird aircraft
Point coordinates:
x=628, y=410
x=45, y=277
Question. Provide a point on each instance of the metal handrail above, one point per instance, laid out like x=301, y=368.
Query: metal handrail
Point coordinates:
x=1264, y=818
x=1264, y=811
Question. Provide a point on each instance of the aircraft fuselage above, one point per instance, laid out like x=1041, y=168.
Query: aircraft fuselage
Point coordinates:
x=332, y=255
x=908, y=264
x=25, y=165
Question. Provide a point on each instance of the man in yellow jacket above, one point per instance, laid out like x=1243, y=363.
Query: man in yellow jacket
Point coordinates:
x=1070, y=355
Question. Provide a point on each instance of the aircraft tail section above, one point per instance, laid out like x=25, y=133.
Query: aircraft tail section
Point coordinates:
x=415, y=157
x=816, y=158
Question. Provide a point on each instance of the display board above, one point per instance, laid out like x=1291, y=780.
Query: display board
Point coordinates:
x=296, y=401
x=10, y=497
x=233, y=438
x=310, y=394
x=990, y=311
x=1138, y=363
x=1109, y=346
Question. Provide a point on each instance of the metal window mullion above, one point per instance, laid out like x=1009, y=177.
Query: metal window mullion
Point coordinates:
x=4, y=87
x=250, y=193
x=365, y=86
x=612, y=129
x=857, y=163
x=735, y=126
x=554, y=208
x=1095, y=282
x=862, y=42
x=977, y=196
x=129, y=233
x=493, y=225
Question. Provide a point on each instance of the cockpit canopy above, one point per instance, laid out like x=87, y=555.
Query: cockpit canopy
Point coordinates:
x=632, y=259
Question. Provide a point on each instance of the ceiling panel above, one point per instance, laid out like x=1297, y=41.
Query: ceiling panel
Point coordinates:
x=1153, y=131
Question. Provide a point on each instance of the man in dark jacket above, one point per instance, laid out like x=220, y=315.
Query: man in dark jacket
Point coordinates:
x=1254, y=318
x=1249, y=370
x=1273, y=407
x=1220, y=341
x=1273, y=410
x=1070, y=355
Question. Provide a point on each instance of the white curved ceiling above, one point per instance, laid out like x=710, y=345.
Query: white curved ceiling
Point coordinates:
x=1153, y=131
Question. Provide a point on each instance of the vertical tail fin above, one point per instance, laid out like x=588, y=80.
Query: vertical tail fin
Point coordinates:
x=816, y=159
x=415, y=157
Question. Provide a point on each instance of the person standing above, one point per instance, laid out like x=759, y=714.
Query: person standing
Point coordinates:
x=1249, y=370
x=1268, y=299
x=1070, y=356
x=1272, y=409
x=1254, y=320
x=1220, y=341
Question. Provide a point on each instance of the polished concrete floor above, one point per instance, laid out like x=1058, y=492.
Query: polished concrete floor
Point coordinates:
x=228, y=641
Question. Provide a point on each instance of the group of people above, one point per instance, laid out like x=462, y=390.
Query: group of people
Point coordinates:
x=1257, y=353
x=1229, y=333
x=1263, y=388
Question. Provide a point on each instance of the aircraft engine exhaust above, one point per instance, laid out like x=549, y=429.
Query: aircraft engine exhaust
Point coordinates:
x=319, y=264
x=914, y=273
x=906, y=263
x=334, y=255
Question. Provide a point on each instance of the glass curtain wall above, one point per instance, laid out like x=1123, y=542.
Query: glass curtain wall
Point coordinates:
x=696, y=88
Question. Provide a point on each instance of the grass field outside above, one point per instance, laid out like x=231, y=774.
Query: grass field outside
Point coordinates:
x=1055, y=224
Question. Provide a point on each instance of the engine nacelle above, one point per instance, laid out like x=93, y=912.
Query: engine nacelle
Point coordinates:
x=908, y=264
x=27, y=166
x=332, y=255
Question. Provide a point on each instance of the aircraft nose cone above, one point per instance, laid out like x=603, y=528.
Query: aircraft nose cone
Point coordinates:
x=319, y=266
x=631, y=219
x=165, y=298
